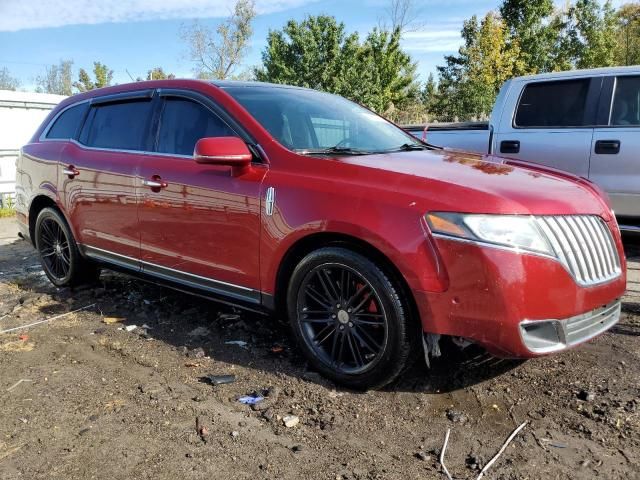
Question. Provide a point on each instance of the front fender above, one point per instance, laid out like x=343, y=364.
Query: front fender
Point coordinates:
x=305, y=208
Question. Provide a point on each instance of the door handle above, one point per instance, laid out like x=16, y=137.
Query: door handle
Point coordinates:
x=71, y=171
x=155, y=183
x=510, y=146
x=607, y=147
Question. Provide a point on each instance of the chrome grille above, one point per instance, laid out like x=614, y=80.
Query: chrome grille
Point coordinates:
x=584, y=245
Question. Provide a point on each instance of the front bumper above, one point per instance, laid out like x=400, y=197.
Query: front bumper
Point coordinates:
x=548, y=336
x=493, y=294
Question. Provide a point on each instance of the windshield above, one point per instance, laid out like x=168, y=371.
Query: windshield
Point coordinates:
x=308, y=122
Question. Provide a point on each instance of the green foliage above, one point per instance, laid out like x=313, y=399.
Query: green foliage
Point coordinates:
x=527, y=37
x=470, y=81
x=318, y=53
x=57, y=79
x=628, y=34
x=102, y=78
x=158, y=73
x=7, y=82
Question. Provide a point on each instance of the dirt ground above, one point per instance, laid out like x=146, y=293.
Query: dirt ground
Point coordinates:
x=83, y=398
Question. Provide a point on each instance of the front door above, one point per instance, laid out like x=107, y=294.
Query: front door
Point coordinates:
x=615, y=153
x=199, y=224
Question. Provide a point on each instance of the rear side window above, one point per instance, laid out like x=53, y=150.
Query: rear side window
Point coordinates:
x=121, y=125
x=67, y=124
x=626, y=102
x=553, y=104
x=183, y=122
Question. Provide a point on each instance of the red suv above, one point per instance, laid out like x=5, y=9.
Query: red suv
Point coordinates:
x=280, y=198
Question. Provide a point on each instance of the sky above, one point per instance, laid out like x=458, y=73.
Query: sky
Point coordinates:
x=133, y=36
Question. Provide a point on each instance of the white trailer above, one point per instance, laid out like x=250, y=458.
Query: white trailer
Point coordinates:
x=21, y=113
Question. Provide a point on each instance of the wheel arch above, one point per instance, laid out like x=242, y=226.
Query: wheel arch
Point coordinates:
x=39, y=203
x=305, y=245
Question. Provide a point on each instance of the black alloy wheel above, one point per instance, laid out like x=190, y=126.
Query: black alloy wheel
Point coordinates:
x=351, y=321
x=61, y=260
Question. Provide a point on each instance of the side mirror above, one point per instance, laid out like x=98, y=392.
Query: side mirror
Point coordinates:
x=230, y=151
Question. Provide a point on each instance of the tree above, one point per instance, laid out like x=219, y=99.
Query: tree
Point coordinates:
x=429, y=93
x=315, y=53
x=219, y=53
x=102, y=74
x=596, y=34
x=404, y=15
x=7, y=82
x=470, y=81
x=318, y=53
x=527, y=22
x=57, y=79
x=628, y=35
x=158, y=73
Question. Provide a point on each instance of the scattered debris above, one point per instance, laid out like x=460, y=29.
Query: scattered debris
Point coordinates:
x=488, y=465
x=197, y=353
x=192, y=364
x=586, y=396
x=235, y=433
x=422, y=456
x=200, y=332
x=457, y=417
x=17, y=346
x=219, y=379
x=228, y=316
x=24, y=338
x=250, y=399
x=271, y=396
x=130, y=328
x=22, y=380
x=492, y=461
x=290, y=421
x=239, y=343
x=201, y=429
x=334, y=394
x=55, y=317
x=444, y=449
x=277, y=349
x=112, y=320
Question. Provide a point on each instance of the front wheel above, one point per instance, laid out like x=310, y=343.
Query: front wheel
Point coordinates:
x=350, y=319
x=61, y=260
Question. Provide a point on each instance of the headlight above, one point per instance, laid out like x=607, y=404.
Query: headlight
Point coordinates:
x=515, y=231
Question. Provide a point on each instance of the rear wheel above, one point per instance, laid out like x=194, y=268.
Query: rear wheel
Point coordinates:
x=349, y=318
x=61, y=260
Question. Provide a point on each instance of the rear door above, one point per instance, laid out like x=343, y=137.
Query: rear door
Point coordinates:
x=202, y=226
x=101, y=174
x=615, y=154
x=551, y=123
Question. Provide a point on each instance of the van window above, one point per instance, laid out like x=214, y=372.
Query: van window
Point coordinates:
x=183, y=122
x=121, y=125
x=66, y=125
x=553, y=104
x=626, y=102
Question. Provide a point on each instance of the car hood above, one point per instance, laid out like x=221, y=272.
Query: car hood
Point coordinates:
x=458, y=181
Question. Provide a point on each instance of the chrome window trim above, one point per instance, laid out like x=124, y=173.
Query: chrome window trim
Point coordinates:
x=222, y=157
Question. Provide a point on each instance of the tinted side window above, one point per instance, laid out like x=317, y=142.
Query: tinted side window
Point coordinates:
x=553, y=104
x=183, y=122
x=626, y=102
x=66, y=125
x=121, y=125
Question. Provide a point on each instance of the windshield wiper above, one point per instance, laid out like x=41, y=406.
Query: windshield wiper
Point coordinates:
x=409, y=147
x=332, y=151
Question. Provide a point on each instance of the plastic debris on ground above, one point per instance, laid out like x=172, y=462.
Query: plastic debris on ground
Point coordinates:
x=239, y=343
x=251, y=399
x=219, y=379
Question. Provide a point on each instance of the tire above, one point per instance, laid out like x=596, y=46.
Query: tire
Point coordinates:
x=350, y=320
x=61, y=260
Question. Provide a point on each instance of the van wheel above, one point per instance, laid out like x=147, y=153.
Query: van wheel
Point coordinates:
x=349, y=318
x=61, y=260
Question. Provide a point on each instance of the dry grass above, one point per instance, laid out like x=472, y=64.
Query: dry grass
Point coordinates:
x=6, y=212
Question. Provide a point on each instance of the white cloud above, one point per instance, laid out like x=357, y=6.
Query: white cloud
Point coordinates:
x=429, y=41
x=24, y=14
